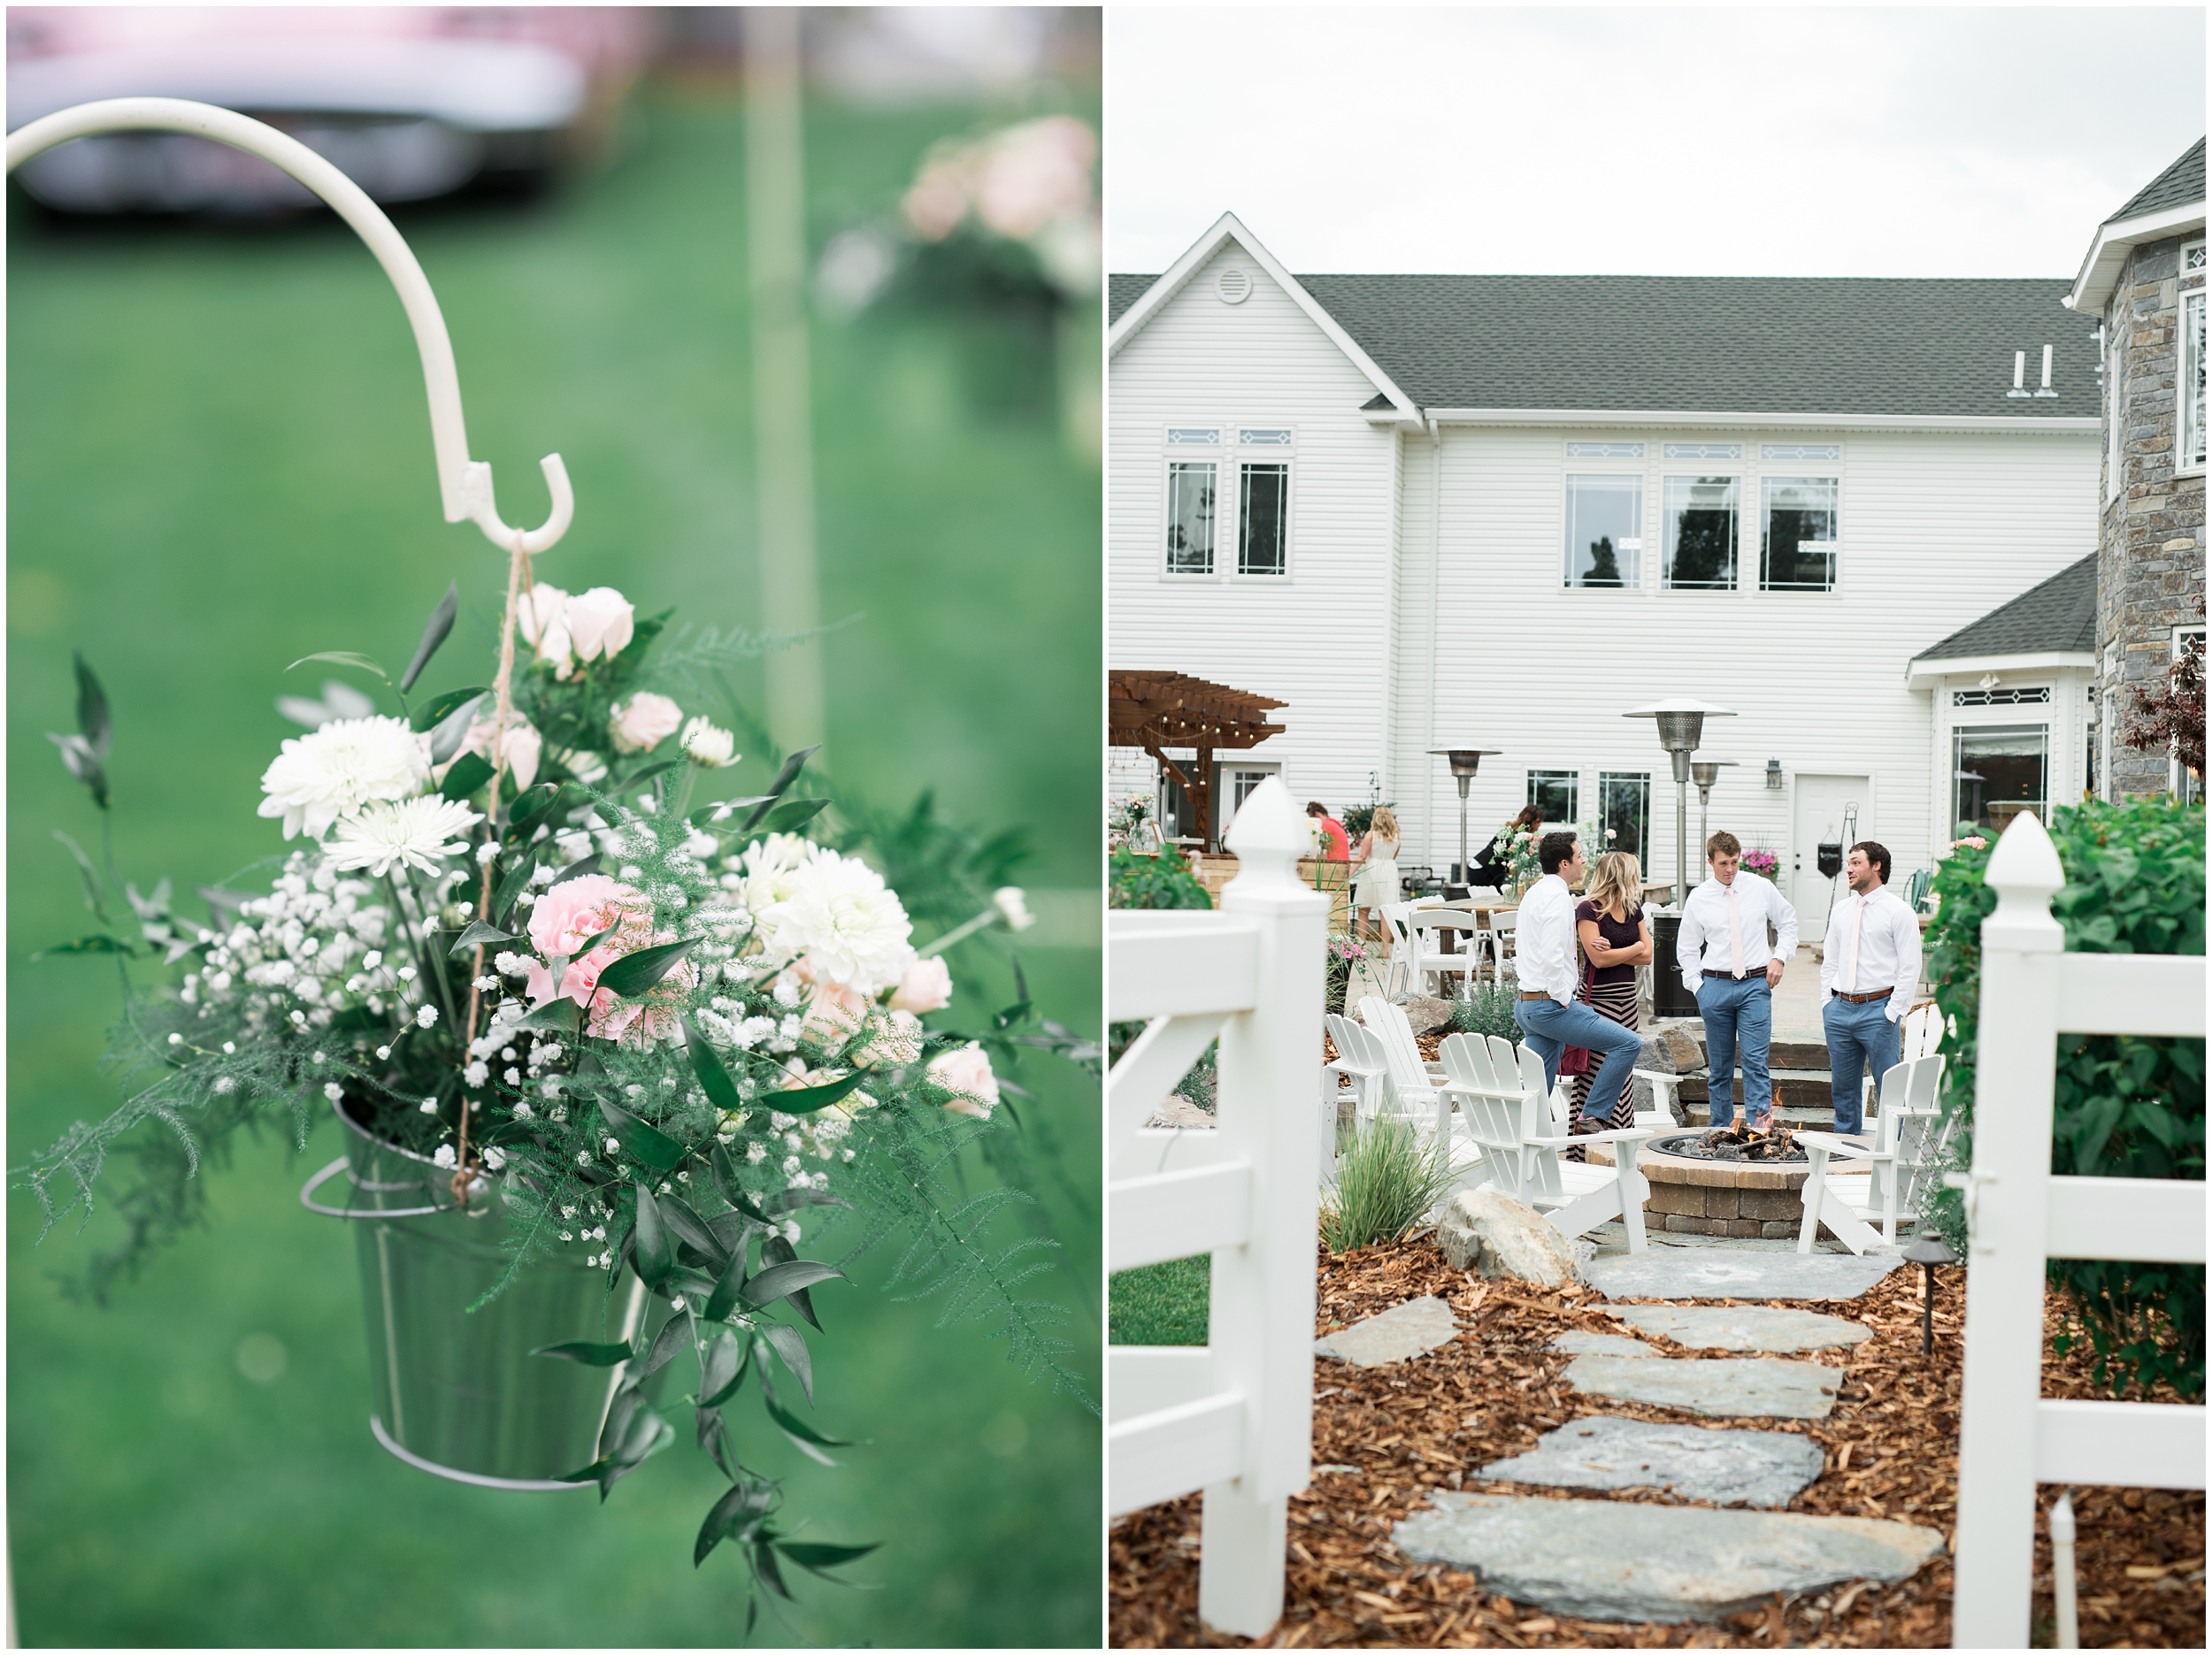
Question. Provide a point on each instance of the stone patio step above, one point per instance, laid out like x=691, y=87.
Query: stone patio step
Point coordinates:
x=1692, y=1462
x=1610, y=1560
x=1403, y=1331
x=1740, y=1327
x=1720, y=1272
x=1719, y=1387
x=1808, y=1088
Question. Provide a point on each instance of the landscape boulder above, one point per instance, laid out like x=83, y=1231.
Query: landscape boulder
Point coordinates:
x=1670, y=1051
x=1495, y=1236
x=1427, y=1014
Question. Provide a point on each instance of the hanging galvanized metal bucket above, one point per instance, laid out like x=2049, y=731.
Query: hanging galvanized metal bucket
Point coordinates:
x=457, y=1392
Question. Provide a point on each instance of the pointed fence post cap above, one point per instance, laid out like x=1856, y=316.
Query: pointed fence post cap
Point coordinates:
x=2023, y=871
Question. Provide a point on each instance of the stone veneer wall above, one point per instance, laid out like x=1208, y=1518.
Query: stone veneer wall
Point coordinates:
x=2150, y=556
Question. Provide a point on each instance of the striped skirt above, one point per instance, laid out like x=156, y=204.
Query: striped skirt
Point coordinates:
x=1617, y=1003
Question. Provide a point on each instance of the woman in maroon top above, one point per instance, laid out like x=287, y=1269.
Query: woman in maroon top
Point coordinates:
x=1616, y=939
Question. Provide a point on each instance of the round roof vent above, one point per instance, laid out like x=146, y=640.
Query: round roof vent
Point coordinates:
x=1233, y=287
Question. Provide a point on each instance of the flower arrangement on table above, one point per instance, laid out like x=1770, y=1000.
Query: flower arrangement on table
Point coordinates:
x=1516, y=850
x=1762, y=861
x=659, y=1036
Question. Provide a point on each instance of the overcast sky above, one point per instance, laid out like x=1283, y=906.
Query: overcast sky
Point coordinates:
x=1757, y=141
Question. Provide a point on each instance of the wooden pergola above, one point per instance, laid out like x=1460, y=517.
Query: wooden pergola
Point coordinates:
x=1158, y=710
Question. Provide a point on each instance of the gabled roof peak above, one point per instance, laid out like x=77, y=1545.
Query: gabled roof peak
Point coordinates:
x=2178, y=185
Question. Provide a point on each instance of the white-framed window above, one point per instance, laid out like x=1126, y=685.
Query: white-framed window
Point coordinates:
x=1605, y=530
x=1997, y=772
x=2191, y=422
x=1264, y=496
x=1702, y=451
x=1697, y=523
x=2188, y=641
x=1797, y=535
x=2115, y=379
x=1598, y=448
x=1624, y=812
x=1556, y=794
x=1190, y=512
x=1799, y=453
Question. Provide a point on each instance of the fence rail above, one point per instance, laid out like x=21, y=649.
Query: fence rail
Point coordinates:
x=1234, y=1418
x=2018, y=1216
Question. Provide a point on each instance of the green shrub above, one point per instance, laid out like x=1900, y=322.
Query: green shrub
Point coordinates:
x=1488, y=1010
x=1385, y=1184
x=2122, y=1106
x=1161, y=881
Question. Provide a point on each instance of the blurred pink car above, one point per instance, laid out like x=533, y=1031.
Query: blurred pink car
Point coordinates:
x=410, y=103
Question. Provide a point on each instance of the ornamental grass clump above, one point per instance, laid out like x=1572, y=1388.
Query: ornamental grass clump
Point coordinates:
x=662, y=1040
x=1385, y=1184
x=1487, y=1010
x=2124, y=1106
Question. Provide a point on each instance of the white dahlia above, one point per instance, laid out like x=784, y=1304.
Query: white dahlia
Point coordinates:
x=420, y=832
x=316, y=779
x=842, y=922
x=771, y=865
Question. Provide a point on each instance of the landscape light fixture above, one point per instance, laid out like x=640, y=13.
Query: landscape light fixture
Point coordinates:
x=1927, y=1252
x=1465, y=762
x=1705, y=772
x=1681, y=723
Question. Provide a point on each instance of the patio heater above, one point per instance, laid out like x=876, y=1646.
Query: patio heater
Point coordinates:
x=1705, y=772
x=1465, y=762
x=1681, y=722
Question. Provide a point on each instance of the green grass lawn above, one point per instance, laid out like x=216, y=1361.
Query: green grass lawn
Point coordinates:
x=220, y=461
x=1160, y=1304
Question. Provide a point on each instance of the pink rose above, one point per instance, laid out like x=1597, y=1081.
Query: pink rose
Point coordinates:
x=927, y=986
x=601, y=622
x=834, y=1015
x=571, y=914
x=644, y=722
x=967, y=1071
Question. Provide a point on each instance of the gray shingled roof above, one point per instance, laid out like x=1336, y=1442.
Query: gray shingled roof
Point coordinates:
x=1712, y=344
x=2060, y=614
x=2178, y=185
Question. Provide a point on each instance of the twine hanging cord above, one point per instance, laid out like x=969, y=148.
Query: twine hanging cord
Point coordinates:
x=517, y=579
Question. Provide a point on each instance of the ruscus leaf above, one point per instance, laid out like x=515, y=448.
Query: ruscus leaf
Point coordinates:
x=433, y=634
x=590, y=1355
x=635, y=974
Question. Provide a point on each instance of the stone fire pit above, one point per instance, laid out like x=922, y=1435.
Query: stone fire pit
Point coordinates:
x=1702, y=1197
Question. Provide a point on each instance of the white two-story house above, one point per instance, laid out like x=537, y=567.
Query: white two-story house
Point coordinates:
x=1501, y=511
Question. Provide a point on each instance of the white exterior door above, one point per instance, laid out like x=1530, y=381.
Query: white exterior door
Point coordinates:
x=1822, y=804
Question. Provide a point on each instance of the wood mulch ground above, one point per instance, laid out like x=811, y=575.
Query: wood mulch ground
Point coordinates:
x=1892, y=1447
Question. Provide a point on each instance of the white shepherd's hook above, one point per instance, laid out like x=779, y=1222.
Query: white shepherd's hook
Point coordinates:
x=464, y=484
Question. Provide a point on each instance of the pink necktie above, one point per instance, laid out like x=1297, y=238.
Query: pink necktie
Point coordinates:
x=1735, y=937
x=1851, y=967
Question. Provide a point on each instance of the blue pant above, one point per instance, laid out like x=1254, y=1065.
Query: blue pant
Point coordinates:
x=1739, y=1021
x=1551, y=1028
x=1858, y=1035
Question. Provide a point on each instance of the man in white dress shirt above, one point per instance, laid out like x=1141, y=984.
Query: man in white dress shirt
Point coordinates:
x=1727, y=964
x=1549, y=1015
x=1869, y=968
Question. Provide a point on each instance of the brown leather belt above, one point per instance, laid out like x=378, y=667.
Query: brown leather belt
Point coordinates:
x=1534, y=993
x=1861, y=999
x=1730, y=977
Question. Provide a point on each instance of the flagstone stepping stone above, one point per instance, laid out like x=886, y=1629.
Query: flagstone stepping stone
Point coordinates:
x=1720, y=1387
x=1689, y=1461
x=1410, y=1329
x=1601, y=1344
x=1712, y=1273
x=1611, y=1560
x=1740, y=1327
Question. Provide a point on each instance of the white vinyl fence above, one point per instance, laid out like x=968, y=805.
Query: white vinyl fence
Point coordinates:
x=1235, y=1417
x=2018, y=1215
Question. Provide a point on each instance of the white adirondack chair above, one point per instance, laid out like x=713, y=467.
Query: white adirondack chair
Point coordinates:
x=1877, y=1183
x=1412, y=1094
x=1359, y=1057
x=1922, y=1033
x=1525, y=1160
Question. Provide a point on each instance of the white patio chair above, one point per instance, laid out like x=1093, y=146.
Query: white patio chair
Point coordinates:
x=1494, y=941
x=1428, y=926
x=1524, y=1159
x=1876, y=1184
x=1922, y=1033
x=1398, y=932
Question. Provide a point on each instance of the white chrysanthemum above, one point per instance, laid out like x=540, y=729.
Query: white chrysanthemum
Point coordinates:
x=769, y=866
x=420, y=832
x=317, y=779
x=843, y=921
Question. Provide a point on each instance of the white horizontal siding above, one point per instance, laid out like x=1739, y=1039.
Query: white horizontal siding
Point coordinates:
x=1467, y=634
x=1319, y=640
